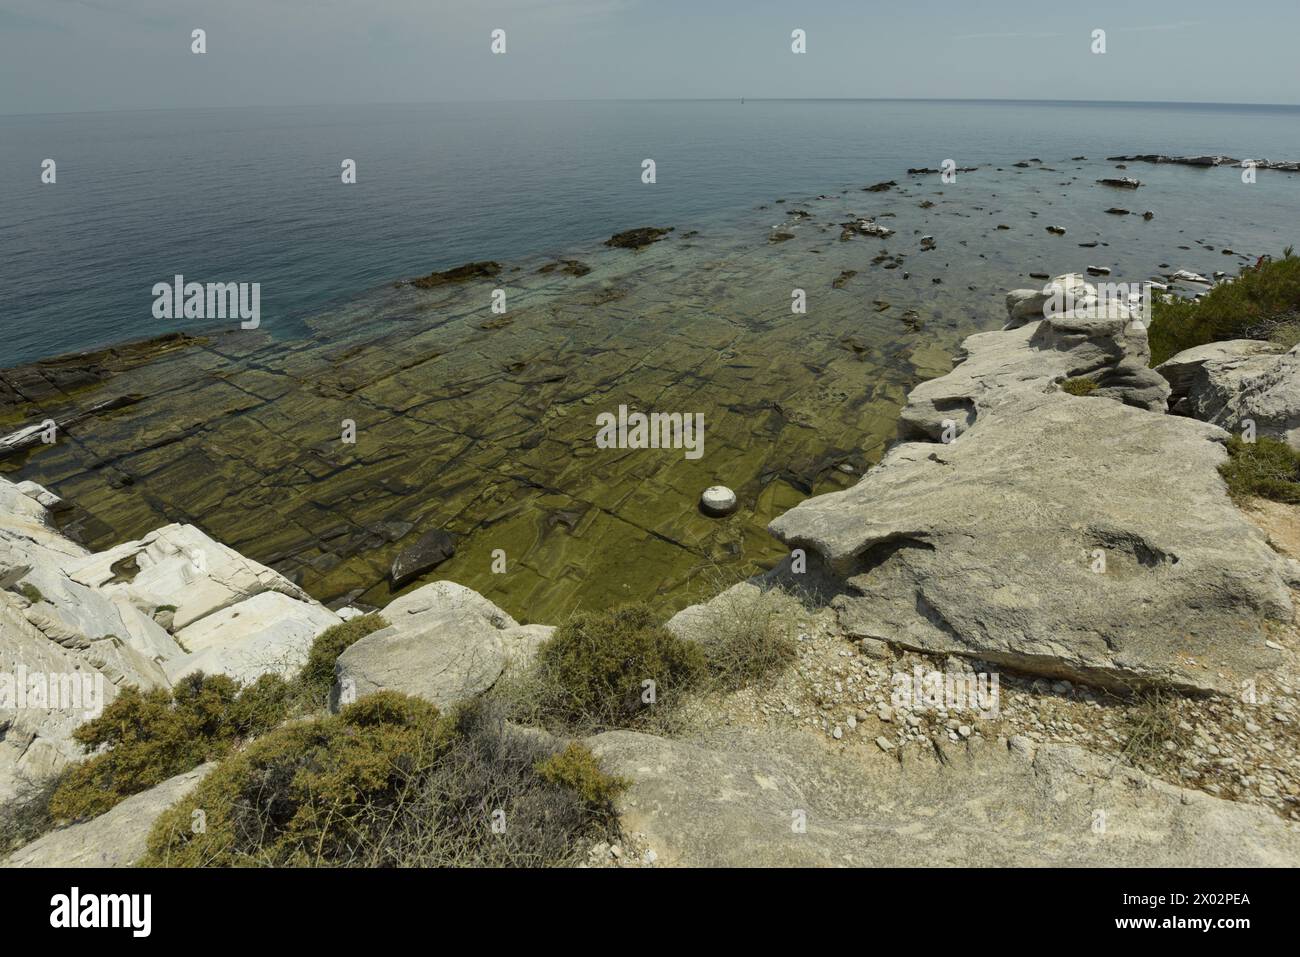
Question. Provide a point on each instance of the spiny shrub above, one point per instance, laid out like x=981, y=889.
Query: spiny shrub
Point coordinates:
x=592, y=673
x=1263, y=302
x=389, y=782
x=748, y=635
x=151, y=736
x=26, y=815
x=1267, y=468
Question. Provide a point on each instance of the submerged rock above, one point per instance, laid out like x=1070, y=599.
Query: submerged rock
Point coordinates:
x=1122, y=182
x=636, y=238
x=570, y=267
x=430, y=550
x=475, y=270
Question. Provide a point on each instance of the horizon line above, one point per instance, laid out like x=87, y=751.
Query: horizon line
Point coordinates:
x=670, y=99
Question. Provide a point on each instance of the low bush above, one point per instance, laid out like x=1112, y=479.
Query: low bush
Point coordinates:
x=150, y=736
x=389, y=782
x=591, y=674
x=1266, y=468
x=1079, y=386
x=1263, y=302
x=26, y=815
x=577, y=769
x=1153, y=735
x=748, y=636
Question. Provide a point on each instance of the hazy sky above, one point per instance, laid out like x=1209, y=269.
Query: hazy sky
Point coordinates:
x=71, y=55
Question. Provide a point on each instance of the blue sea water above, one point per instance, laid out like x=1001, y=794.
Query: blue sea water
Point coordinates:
x=254, y=195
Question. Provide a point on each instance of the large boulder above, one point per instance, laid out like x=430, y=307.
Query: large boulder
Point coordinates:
x=1068, y=536
x=444, y=643
x=755, y=799
x=117, y=838
x=1236, y=382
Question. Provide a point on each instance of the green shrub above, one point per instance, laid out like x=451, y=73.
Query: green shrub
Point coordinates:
x=579, y=770
x=387, y=782
x=1267, y=468
x=1262, y=302
x=590, y=675
x=151, y=736
x=1079, y=386
x=317, y=675
x=30, y=592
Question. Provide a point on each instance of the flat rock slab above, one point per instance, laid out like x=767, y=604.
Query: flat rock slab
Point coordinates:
x=116, y=838
x=993, y=546
x=735, y=799
x=269, y=633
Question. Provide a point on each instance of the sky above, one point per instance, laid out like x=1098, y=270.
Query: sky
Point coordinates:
x=103, y=55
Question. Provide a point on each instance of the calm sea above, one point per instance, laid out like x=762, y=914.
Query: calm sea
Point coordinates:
x=254, y=195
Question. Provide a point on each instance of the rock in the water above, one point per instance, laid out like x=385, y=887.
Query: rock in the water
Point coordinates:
x=475, y=270
x=432, y=549
x=444, y=643
x=1239, y=381
x=117, y=838
x=1121, y=182
x=636, y=238
x=718, y=500
x=731, y=800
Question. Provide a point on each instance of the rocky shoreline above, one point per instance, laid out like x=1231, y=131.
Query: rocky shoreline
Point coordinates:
x=1082, y=547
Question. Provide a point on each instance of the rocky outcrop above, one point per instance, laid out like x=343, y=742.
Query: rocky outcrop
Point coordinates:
x=117, y=838
x=754, y=799
x=1097, y=341
x=444, y=643
x=1237, y=382
x=1051, y=534
x=1205, y=160
x=144, y=613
